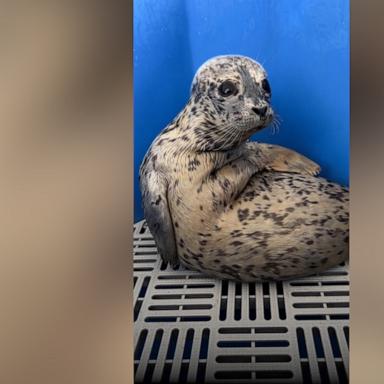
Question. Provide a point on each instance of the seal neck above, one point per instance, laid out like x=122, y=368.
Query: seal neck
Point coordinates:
x=210, y=131
x=197, y=128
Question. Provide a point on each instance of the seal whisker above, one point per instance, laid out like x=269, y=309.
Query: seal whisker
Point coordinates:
x=275, y=124
x=232, y=134
x=229, y=135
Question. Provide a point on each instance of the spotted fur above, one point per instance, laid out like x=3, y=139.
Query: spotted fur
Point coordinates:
x=232, y=208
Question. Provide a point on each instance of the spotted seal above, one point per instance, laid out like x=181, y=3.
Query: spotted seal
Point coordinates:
x=232, y=208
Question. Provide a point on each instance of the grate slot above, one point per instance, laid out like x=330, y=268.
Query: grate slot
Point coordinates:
x=201, y=372
x=342, y=374
x=136, y=309
x=166, y=373
x=281, y=305
x=312, y=359
x=318, y=343
x=267, y=308
x=302, y=344
x=188, y=344
x=172, y=344
x=329, y=355
x=223, y=300
x=334, y=342
x=274, y=374
x=323, y=373
x=253, y=330
x=149, y=373
x=183, y=373
x=195, y=356
x=233, y=375
x=144, y=287
x=156, y=345
x=178, y=354
x=253, y=343
x=161, y=356
x=307, y=379
x=140, y=344
x=346, y=334
x=204, y=344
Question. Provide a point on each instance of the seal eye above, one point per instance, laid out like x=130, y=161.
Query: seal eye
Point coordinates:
x=265, y=85
x=227, y=88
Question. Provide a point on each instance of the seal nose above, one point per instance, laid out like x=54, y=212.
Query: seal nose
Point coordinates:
x=260, y=111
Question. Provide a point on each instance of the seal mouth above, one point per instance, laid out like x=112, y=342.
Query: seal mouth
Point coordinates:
x=264, y=122
x=255, y=129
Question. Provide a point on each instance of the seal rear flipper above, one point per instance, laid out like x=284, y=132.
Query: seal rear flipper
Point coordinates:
x=156, y=213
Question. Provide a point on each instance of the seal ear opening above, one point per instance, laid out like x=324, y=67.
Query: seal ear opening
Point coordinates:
x=157, y=215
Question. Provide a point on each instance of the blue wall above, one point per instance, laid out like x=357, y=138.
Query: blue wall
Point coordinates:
x=303, y=44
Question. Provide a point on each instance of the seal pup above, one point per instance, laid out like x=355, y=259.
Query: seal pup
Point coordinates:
x=236, y=209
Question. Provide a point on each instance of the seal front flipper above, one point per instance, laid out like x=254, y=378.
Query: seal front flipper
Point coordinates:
x=156, y=211
x=282, y=159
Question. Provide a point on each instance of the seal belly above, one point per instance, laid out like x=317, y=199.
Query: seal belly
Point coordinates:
x=283, y=225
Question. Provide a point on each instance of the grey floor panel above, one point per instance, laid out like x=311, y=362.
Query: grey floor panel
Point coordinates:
x=194, y=329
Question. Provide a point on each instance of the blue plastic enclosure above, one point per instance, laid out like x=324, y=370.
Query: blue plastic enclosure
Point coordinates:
x=303, y=45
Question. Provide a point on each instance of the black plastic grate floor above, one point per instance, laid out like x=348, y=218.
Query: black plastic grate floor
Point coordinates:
x=190, y=328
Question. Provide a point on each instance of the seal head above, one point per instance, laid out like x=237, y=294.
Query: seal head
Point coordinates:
x=234, y=94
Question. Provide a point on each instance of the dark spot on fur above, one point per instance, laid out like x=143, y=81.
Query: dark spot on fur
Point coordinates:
x=243, y=214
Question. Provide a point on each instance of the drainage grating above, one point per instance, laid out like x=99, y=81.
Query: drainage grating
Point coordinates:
x=195, y=329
